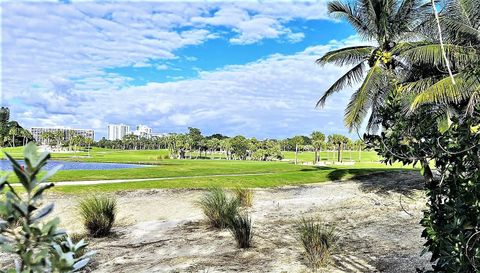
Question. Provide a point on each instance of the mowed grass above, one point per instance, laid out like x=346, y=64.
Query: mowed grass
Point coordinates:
x=103, y=155
x=304, y=176
x=159, y=156
x=363, y=156
x=201, y=173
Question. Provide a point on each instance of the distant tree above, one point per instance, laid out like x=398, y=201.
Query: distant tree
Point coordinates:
x=226, y=146
x=297, y=142
x=47, y=137
x=359, y=145
x=13, y=132
x=240, y=147
x=338, y=141
x=26, y=135
x=217, y=136
x=59, y=136
x=195, y=135
x=284, y=143
x=213, y=144
x=318, y=141
x=178, y=145
x=88, y=143
x=76, y=141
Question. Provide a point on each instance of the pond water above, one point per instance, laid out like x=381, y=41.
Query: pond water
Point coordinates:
x=5, y=165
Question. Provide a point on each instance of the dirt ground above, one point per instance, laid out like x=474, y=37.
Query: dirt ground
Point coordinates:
x=376, y=217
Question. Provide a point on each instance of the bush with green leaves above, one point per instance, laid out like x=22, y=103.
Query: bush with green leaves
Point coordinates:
x=244, y=196
x=318, y=241
x=241, y=228
x=451, y=222
x=219, y=208
x=36, y=243
x=98, y=214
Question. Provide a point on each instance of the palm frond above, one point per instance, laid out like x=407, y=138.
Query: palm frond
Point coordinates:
x=345, y=56
x=444, y=91
x=461, y=28
x=346, y=11
x=353, y=76
x=361, y=100
x=473, y=102
x=432, y=54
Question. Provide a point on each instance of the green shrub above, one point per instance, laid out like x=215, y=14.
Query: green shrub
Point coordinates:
x=98, y=214
x=218, y=207
x=35, y=242
x=76, y=239
x=241, y=228
x=244, y=196
x=318, y=242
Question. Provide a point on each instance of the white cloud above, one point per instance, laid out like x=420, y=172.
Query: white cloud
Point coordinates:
x=180, y=119
x=65, y=49
x=162, y=67
x=274, y=96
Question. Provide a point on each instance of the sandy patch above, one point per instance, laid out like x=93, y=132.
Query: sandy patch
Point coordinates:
x=163, y=231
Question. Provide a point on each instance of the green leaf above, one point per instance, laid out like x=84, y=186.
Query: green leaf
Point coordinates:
x=444, y=123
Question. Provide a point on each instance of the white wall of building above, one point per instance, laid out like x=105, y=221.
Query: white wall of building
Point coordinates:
x=117, y=131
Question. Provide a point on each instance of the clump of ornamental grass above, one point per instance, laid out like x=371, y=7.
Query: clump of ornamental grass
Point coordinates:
x=219, y=208
x=244, y=196
x=318, y=241
x=98, y=214
x=241, y=228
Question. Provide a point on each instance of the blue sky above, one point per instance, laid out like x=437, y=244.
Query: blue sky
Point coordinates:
x=224, y=67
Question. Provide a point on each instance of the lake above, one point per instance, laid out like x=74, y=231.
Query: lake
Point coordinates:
x=5, y=165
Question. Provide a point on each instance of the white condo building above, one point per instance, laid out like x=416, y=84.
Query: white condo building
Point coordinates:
x=143, y=131
x=117, y=131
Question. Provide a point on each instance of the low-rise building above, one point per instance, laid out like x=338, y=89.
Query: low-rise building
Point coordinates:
x=59, y=133
x=143, y=131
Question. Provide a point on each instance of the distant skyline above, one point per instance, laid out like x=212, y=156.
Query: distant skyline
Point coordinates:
x=225, y=67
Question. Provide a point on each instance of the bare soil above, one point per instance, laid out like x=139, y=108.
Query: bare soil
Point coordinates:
x=376, y=217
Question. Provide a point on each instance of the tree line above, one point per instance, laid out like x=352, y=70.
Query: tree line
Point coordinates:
x=11, y=133
x=194, y=144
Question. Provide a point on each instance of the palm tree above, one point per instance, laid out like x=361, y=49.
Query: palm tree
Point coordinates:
x=384, y=23
x=460, y=24
x=318, y=140
x=13, y=132
x=26, y=135
x=89, y=142
x=359, y=144
x=297, y=141
x=338, y=141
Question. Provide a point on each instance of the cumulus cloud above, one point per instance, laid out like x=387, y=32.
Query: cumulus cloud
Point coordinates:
x=66, y=49
x=274, y=96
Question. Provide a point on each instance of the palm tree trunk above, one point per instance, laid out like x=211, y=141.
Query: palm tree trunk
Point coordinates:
x=296, y=152
x=339, y=153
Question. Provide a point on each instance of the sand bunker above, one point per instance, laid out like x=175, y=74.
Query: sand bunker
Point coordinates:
x=376, y=216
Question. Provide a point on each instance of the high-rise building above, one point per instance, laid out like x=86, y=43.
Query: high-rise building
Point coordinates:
x=143, y=131
x=65, y=134
x=117, y=131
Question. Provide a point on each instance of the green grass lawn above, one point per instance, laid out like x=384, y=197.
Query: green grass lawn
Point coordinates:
x=159, y=156
x=364, y=156
x=181, y=172
x=274, y=180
